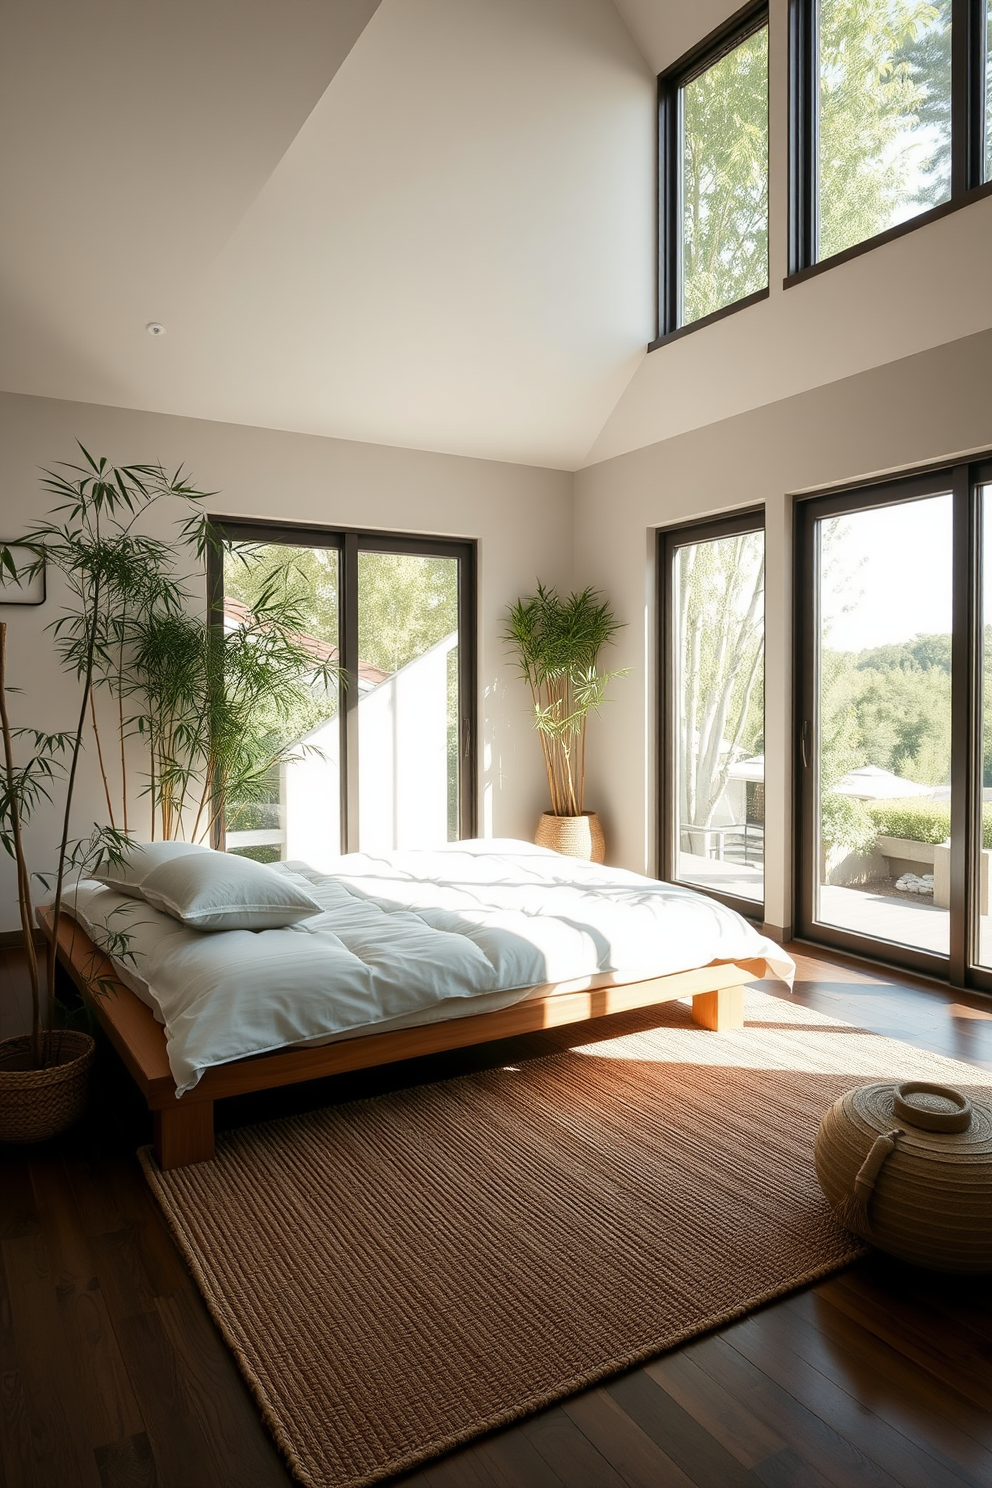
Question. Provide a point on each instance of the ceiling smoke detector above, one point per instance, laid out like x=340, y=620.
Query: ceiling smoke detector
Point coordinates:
x=155, y=328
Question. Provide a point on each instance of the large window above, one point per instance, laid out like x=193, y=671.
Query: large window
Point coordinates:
x=713, y=708
x=714, y=165
x=373, y=750
x=890, y=105
x=894, y=650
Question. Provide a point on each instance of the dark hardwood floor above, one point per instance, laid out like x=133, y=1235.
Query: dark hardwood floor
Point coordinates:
x=112, y=1374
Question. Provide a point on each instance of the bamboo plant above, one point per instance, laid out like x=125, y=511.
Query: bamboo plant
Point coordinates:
x=557, y=643
x=211, y=701
x=184, y=695
x=88, y=537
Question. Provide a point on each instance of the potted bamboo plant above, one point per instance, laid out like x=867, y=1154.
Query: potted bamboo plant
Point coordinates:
x=89, y=537
x=557, y=642
x=201, y=703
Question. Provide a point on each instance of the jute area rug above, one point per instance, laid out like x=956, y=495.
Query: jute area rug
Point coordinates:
x=398, y=1275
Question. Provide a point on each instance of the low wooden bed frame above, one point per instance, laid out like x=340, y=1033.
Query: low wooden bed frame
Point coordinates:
x=184, y=1128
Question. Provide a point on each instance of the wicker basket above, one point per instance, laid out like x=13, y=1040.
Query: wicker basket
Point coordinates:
x=40, y=1103
x=574, y=836
x=909, y=1167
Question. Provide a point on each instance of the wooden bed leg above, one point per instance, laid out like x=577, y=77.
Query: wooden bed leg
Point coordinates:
x=721, y=1010
x=184, y=1133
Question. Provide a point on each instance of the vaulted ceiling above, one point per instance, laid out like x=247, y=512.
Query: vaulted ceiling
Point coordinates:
x=415, y=222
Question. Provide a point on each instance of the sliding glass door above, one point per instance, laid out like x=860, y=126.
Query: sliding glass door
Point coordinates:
x=713, y=787
x=894, y=722
x=409, y=764
x=372, y=747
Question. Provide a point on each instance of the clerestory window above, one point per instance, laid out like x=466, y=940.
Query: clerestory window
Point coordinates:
x=890, y=119
x=713, y=114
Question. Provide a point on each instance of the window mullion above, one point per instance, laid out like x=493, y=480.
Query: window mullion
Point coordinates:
x=348, y=611
x=966, y=742
x=718, y=289
x=962, y=96
x=802, y=135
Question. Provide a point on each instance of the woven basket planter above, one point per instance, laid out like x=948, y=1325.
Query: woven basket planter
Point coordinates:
x=909, y=1168
x=40, y=1103
x=574, y=836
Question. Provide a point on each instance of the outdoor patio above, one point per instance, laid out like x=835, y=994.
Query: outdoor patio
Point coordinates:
x=746, y=882
x=892, y=917
x=886, y=916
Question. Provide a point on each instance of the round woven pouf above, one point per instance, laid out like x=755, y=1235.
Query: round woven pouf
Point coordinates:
x=39, y=1103
x=909, y=1168
x=574, y=836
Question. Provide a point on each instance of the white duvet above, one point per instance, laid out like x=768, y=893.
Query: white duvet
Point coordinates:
x=407, y=938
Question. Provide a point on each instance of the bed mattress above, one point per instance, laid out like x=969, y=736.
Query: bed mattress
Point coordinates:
x=408, y=938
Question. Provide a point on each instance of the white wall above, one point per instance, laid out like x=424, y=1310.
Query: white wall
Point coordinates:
x=521, y=517
x=922, y=409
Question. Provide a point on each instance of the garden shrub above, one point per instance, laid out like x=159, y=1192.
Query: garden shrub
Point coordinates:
x=917, y=819
x=922, y=820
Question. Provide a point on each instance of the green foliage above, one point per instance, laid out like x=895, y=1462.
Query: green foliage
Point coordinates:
x=916, y=819
x=890, y=707
x=921, y=652
x=845, y=823
x=922, y=820
x=306, y=578
x=885, y=78
x=263, y=854
x=557, y=643
x=212, y=706
x=406, y=602
x=720, y=621
x=872, y=90
x=90, y=537
x=219, y=706
x=725, y=180
x=927, y=57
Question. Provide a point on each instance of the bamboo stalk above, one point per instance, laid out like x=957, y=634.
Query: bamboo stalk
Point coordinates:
x=23, y=877
x=120, y=727
x=151, y=778
x=99, y=755
x=70, y=790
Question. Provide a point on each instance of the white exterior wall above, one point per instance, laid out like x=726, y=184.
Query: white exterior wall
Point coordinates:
x=403, y=768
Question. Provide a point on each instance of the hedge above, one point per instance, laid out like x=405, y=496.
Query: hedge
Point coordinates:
x=920, y=820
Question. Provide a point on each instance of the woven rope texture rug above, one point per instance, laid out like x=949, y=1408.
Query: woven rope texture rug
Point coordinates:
x=398, y=1275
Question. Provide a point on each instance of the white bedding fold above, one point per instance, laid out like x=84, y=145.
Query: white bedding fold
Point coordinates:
x=405, y=938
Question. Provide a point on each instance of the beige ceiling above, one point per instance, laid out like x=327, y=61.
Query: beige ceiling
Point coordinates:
x=425, y=222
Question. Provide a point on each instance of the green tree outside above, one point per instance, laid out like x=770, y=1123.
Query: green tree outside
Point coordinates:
x=884, y=91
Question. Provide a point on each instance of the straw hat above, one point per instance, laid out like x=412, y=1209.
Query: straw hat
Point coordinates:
x=909, y=1167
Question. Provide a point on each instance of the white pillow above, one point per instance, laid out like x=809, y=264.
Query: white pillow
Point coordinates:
x=138, y=861
x=218, y=891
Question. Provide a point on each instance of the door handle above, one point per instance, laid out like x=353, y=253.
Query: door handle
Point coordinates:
x=805, y=740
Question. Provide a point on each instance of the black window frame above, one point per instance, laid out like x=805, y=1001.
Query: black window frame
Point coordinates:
x=349, y=542
x=964, y=481
x=717, y=44
x=967, y=136
x=707, y=529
